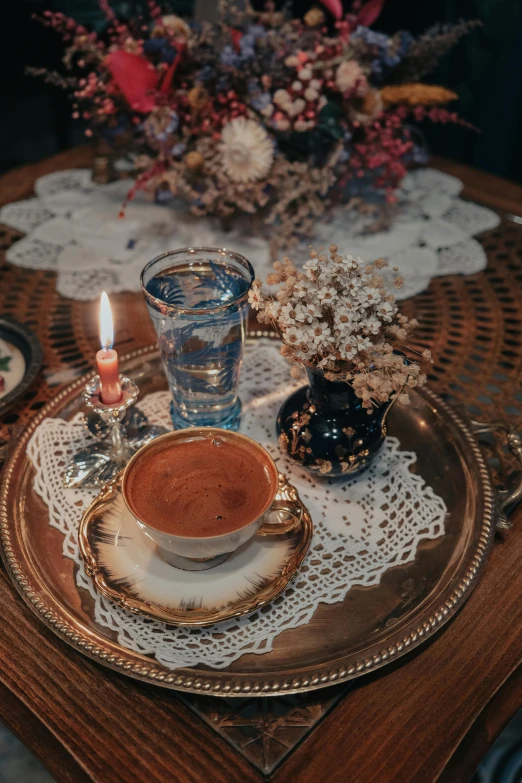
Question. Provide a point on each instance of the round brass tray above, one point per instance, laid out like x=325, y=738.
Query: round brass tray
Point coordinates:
x=372, y=627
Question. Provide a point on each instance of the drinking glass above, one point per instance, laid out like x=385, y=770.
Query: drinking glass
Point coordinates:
x=197, y=299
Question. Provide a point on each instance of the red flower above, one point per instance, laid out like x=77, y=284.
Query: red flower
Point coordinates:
x=136, y=78
x=369, y=13
x=236, y=36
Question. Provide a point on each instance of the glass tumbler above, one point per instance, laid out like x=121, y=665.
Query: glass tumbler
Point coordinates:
x=197, y=299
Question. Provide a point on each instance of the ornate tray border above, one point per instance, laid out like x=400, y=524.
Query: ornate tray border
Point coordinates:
x=222, y=683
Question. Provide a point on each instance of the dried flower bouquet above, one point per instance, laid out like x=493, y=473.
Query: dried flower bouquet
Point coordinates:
x=338, y=316
x=260, y=113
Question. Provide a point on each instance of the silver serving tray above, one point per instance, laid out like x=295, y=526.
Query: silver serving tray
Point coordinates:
x=372, y=627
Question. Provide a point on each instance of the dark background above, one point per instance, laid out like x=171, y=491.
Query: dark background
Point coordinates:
x=485, y=69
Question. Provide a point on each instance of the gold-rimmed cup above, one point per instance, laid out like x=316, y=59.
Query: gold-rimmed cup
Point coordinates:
x=279, y=515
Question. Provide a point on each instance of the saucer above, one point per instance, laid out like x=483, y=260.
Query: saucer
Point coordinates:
x=126, y=567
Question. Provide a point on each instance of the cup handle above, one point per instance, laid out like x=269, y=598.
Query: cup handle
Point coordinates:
x=285, y=517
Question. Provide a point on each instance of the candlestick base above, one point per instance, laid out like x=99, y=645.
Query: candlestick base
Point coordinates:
x=119, y=429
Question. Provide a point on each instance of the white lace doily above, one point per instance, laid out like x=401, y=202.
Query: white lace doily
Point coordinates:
x=72, y=228
x=361, y=527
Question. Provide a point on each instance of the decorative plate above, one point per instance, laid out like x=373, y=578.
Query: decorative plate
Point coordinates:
x=20, y=360
x=126, y=567
x=371, y=628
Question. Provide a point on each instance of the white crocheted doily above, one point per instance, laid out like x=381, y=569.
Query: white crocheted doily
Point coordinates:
x=361, y=528
x=72, y=228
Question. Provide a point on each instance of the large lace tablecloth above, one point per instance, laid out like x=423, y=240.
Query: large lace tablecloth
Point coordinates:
x=362, y=527
x=72, y=228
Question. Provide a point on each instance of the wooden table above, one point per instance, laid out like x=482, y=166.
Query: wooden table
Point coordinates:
x=429, y=718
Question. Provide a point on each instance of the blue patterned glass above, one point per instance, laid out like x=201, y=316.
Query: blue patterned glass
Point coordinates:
x=197, y=299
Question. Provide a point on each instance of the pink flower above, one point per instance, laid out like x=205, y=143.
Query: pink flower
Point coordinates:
x=335, y=7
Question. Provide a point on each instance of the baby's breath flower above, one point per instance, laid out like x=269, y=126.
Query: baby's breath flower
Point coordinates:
x=282, y=98
x=255, y=295
x=312, y=310
x=385, y=311
x=337, y=317
x=320, y=333
x=274, y=309
x=293, y=335
x=303, y=289
x=327, y=294
x=302, y=315
x=287, y=315
x=273, y=278
x=304, y=350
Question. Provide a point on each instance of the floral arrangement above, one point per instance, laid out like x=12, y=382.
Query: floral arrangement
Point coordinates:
x=337, y=315
x=260, y=113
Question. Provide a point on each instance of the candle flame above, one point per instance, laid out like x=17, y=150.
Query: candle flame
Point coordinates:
x=106, y=327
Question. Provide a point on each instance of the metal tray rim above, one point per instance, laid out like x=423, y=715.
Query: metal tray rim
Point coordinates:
x=218, y=682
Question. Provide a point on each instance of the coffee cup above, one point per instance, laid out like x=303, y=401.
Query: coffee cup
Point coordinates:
x=201, y=493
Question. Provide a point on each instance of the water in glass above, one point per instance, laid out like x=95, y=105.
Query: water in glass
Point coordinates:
x=198, y=304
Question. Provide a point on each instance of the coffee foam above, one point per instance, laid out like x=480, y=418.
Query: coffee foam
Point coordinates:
x=200, y=485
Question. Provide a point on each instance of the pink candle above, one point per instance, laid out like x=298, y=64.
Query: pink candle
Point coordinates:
x=108, y=370
x=107, y=358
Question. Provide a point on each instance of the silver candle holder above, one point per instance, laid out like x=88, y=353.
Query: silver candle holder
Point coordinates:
x=119, y=431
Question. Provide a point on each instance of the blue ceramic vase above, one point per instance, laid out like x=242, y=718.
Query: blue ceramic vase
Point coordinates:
x=325, y=428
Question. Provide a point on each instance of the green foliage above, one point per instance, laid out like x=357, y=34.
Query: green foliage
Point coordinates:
x=4, y=363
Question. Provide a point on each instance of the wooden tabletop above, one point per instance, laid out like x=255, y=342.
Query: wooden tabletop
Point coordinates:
x=431, y=717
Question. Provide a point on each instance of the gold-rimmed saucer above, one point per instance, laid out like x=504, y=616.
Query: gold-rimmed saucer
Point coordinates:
x=125, y=566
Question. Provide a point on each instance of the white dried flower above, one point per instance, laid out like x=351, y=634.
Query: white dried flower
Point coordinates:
x=274, y=309
x=288, y=314
x=347, y=351
x=268, y=110
x=294, y=335
x=310, y=94
x=305, y=74
x=386, y=310
x=312, y=265
x=282, y=124
x=315, y=84
x=246, y=149
x=337, y=316
x=302, y=315
x=302, y=289
x=312, y=311
x=327, y=294
x=255, y=295
x=344, y=318
x=304, y=351
x=296, y=107
x=320, y=333
x=348, y=74
x=373, y=325
x=282, y=98
x=297, y=86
